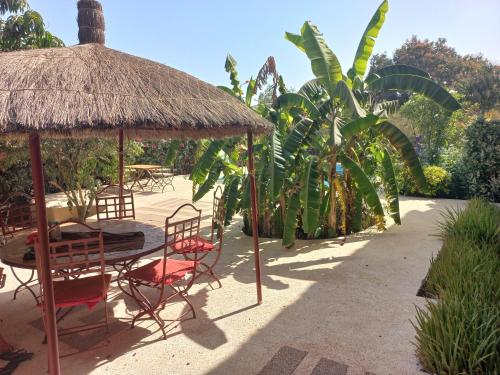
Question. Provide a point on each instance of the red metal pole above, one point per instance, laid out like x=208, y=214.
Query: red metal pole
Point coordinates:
x=120, y=172
x=43, y=237
x=255, y=225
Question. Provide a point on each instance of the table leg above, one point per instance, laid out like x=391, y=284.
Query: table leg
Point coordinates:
x=26, y=284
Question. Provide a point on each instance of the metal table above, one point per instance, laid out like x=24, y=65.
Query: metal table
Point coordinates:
x=141, y=172
x=154, y=239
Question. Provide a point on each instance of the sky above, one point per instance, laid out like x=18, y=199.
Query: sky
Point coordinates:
x=195, y=36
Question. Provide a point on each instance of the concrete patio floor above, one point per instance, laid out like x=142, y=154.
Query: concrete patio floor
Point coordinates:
x=327, y=306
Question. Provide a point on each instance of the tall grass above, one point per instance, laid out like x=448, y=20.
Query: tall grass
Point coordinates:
x=460, y=332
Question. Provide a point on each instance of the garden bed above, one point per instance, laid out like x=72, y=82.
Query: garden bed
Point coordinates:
x=459, y=332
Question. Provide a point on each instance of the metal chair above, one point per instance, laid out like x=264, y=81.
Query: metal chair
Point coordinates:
x=207, y=261
x=17, y=213
x=108, y=203
x=161, y=178
x=77, y=270
x=170, y=277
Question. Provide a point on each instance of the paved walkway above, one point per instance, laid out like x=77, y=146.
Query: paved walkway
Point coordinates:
x=328, y=308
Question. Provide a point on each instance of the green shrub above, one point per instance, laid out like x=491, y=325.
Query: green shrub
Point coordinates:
x=481, y=159
x=438, y=182
x=460, y=333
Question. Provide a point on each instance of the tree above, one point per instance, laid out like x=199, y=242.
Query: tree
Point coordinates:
x=474, y=77
x=429, y=125
x=24, y=28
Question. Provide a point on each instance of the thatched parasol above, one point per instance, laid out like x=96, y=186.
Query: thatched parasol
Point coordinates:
x=90, y=90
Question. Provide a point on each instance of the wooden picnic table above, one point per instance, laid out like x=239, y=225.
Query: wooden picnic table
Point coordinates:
x=141, y=172
x=12, y=254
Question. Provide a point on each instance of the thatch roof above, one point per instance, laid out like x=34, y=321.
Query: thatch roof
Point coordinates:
x=85, y=88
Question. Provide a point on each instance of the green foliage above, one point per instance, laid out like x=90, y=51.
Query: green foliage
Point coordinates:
x=482, y=159
x=459, y=334
x=12, y=6
x=176, y=154
x=391, y=187
x=437, y=179
x=428, y=124
x=72, y=168
x=290, y=224
x=24, y=28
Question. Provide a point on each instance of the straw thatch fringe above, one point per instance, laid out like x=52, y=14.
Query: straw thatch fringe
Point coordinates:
x=90, y=22
x=87, y=88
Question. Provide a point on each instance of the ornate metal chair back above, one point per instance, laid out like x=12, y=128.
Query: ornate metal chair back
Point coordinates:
x=17, y=213
x=108, y=203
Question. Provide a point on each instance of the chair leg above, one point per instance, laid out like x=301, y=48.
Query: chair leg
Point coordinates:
x=106, y=314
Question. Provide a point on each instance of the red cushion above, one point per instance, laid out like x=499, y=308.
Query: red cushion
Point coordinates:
x=192, y=244
x=153, y=272
x=86, y=290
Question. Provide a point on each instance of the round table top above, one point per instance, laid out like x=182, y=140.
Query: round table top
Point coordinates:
x=12, y=253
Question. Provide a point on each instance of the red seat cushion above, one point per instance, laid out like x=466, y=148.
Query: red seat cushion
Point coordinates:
x=86, y=290
x=153, y=272
x=192, y=244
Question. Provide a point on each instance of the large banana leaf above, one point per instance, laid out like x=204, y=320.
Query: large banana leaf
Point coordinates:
x=206, y=161
x=324, y=63
x=209, y=183
x=262, y=182
x=358, y=125
x=365, y=47
x=230, y=195
x=245, y=194
x=310, y=196
x=227, y=90
x=295, y=39
x=421, y=85
x=276, y=167
x=312, y=90
x=346, y=97
x=391, y=187
x=230, y=67
x=250, y=92
x=388, y=107
x=396, y=69
x=291, y=220
x=401, y=142
x=364, y=185
x=291, y=100
x=299, y=136
x=173, y=147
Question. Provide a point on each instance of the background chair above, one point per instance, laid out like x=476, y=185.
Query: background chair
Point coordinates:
x=17, y=213
x=161, y=178
x=108, y=203
x=77, y=270
x=171, y=277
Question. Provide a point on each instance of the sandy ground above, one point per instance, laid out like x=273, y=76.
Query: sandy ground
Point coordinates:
x=351, y=304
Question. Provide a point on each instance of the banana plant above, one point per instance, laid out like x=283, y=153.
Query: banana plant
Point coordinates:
x=344, y=106
x=317, y=174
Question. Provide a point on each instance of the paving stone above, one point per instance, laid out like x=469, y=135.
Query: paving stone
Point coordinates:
x=329, y=367
x=284, y=362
